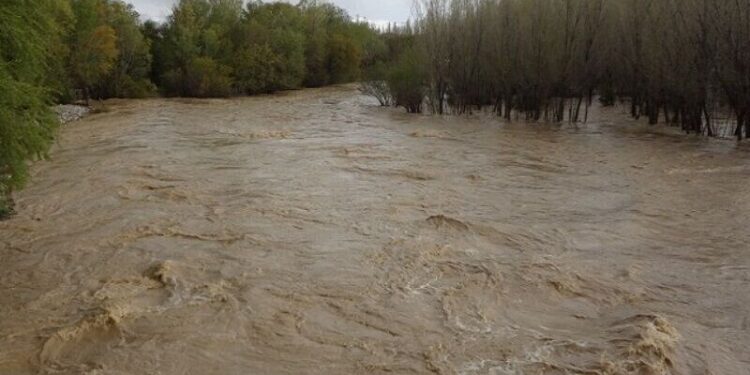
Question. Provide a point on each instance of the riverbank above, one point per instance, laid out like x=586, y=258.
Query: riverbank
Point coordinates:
x=65, y=113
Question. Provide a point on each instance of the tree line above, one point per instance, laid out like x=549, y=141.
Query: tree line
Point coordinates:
x=218, y=48
x=60, y=51
x=683, y=62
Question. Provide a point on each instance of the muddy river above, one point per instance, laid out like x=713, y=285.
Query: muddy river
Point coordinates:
x=316, y=233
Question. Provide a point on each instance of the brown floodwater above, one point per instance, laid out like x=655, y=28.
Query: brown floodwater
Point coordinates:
x=315, y=233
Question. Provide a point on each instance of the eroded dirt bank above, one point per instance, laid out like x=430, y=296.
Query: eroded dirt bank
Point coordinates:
x=315, y=233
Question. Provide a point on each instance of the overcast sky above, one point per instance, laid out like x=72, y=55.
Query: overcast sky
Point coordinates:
x=378, y=11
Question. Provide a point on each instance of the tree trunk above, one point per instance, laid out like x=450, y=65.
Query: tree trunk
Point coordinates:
x=738, y=129
x=509, y=108
x=709, y=128
x=653, y=113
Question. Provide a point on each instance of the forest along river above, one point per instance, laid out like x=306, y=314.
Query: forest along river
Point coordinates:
x=313, y=232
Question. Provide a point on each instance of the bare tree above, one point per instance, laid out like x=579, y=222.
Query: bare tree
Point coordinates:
x=546, y=59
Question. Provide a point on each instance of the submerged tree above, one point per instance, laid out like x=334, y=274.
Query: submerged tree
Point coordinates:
x=547, y=59
x=406, y=80
x=374, y=84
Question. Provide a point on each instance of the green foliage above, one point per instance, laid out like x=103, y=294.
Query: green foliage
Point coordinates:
x=126, y=86
x=270, y=49
x=267, y=47
x=24, y=38
x=204, y=77
x=129, y=77
x=96, y=47
x=26, y=122
x=93, y=50
x=57, y=77
x=196, y=48
x=255, y=68
x=334, y=46
x=26, y=127
x=343, y=59
x=397, y=73
x=315, y=60
x=406, y=80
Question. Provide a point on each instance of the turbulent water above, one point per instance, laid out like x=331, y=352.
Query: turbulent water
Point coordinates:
x=315, y=233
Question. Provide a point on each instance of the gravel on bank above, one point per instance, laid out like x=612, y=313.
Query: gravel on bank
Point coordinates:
x=71, y=112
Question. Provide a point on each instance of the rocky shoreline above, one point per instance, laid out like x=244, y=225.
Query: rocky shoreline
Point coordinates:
x=71, y=112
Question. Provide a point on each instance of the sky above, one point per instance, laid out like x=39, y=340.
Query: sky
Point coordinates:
x=375, y=11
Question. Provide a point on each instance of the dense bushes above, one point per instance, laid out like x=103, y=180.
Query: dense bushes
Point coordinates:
x=269, y=49
x=397, y=74
x=394, y=69
x=195, y=46
x=129, y=76
x=26, y=121
x=26, y=129
x=406, y=80
x=204, y=77
x=107, y=53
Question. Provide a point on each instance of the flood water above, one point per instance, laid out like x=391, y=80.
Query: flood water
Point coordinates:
x=315, y=233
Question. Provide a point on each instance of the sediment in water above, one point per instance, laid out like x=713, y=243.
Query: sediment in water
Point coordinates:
x=284, y=235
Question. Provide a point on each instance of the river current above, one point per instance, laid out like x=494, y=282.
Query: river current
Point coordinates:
x=313, y=232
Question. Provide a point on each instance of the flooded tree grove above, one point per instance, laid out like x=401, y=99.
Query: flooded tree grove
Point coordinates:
x=682, y=62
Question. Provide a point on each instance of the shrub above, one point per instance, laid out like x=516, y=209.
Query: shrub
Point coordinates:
x=254, y=68
x=375, y=85
x=27, y=126
x=315, y=61
x=6, y=207
x=204, y=77
x=141, y=88
x=343, y=59
x=406, y=81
